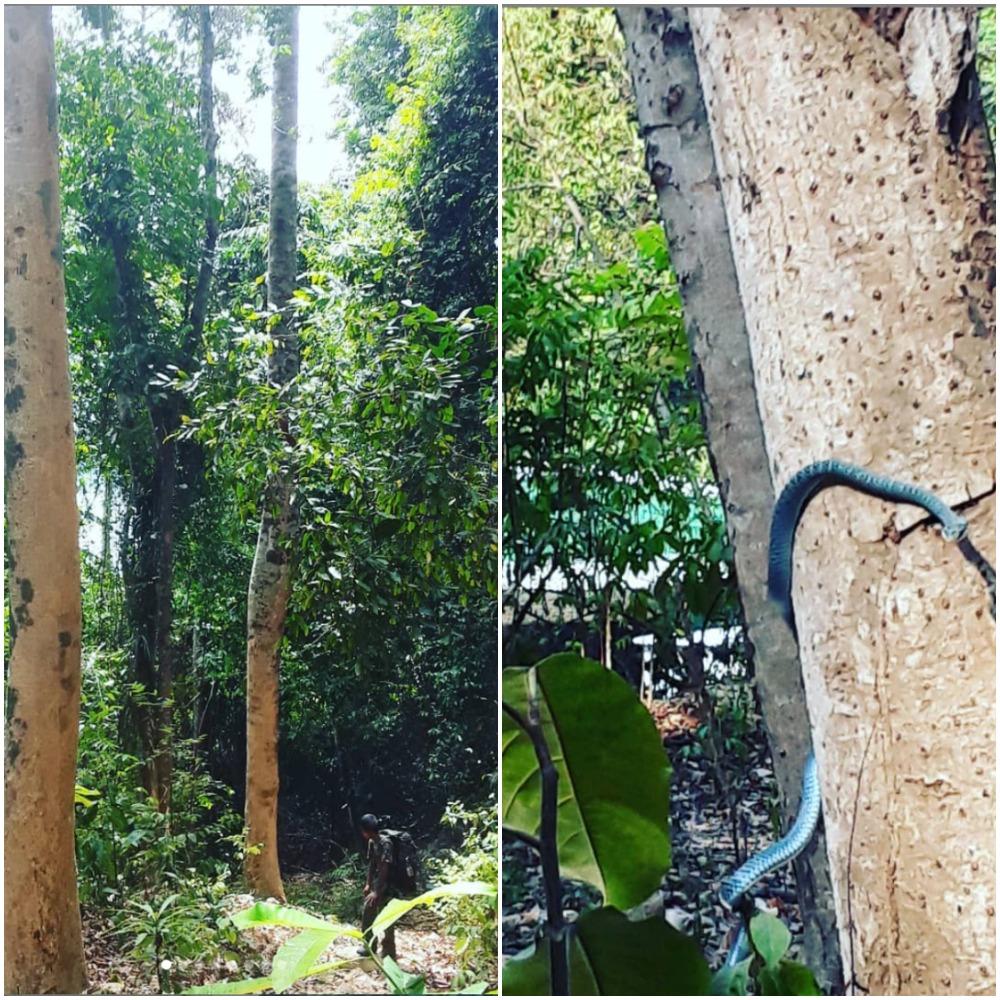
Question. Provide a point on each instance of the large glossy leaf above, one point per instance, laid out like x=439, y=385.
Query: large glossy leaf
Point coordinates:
x=224, y=989
x=614, y=777
x=396, y=908
x=613, y=956
x=403, y=983
x=263, y=914
x=297, y=955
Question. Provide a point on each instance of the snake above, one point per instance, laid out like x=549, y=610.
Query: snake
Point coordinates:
x=788, y=509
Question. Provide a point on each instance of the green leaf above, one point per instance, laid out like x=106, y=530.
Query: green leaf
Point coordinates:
x=223, y=989
x=791, y=979
x=403, y=983
x=770, y=937
x=731, y=980
x=396, y=908
x=613, y=956
x=295, y=957
x=614, y=777
x=275, y=915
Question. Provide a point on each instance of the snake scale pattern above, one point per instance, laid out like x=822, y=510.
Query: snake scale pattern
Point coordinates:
x=794, y=498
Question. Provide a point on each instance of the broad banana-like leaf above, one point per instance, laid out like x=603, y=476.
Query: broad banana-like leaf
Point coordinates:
x=395, y=908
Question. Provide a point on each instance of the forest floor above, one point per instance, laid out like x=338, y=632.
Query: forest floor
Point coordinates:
x=421, y=948
x=701, y=834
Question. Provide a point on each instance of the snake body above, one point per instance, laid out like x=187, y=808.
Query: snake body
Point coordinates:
x=804, y=485
x=797, y=493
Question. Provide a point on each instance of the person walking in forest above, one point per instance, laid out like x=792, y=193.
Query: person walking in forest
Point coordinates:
x=377, y=883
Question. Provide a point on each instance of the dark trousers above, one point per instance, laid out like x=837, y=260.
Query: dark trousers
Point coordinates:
x=368, y=914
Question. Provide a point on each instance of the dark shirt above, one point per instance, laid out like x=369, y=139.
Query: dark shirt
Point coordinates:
x=379, y=863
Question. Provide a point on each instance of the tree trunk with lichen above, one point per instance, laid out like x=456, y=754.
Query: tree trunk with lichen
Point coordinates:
x=270, y=576
x=858, y=184
x=43, y=947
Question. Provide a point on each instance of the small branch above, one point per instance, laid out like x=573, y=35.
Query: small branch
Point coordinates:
x=548, y=848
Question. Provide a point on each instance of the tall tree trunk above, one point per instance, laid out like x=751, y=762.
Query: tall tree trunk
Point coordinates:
x=149, y=562
x=682, y=166
x=43, y=947
x=858, y=183
x=270, y=576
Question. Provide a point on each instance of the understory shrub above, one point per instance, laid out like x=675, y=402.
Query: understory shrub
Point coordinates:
x=471, y=920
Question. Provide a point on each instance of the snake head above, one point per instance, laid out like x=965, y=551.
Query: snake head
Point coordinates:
x=956, y=531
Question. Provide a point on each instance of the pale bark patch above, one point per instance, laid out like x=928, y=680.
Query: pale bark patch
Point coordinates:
x=865, y=246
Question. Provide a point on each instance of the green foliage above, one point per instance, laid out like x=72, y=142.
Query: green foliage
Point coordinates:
x=612, y=799
x=606, y=473
x=470, y=920
x=297, y=958
x=130, y=162
x=422, y=83
x=394, y=413
x=612, y=832
x=610, y=955
x=187, y=924
x=767, y=971
x=573, y=173
x=125, y=846
x=986, y=63
x=338, y=890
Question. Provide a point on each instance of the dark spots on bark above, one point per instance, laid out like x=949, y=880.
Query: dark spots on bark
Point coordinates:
x=46, y=192
x=276, y=557
x=9, y=333
x=22, y=265
x=749, y=190
x=13, y=750
x=52, y=111
x=13, y=34
x=16, y=729
x=13, y=399
x=22, y=617
x=889, y=22
x=13, y=453
x=65, y=639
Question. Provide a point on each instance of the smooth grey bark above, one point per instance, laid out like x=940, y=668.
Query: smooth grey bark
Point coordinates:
x=681, y=163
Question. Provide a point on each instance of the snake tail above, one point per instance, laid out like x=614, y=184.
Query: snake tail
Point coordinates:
x=804, y=485
x=741, y=881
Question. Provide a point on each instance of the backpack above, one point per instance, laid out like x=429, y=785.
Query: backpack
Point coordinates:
x=404, y=869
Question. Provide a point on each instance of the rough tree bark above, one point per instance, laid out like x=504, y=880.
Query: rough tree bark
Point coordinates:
x=858, y=182
x=270, y=576
x=43, y=947
x=673, y=123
